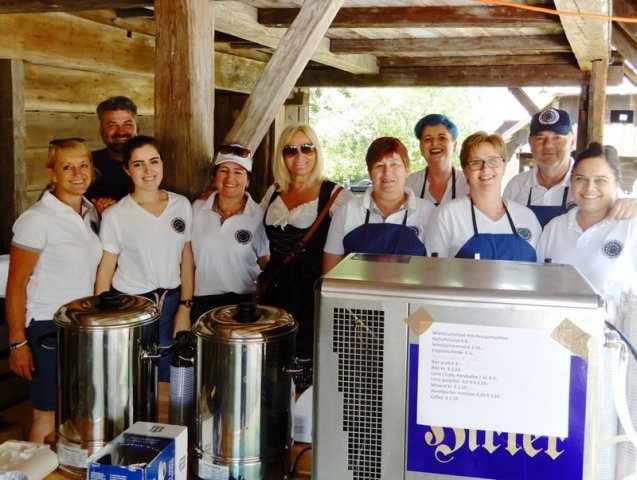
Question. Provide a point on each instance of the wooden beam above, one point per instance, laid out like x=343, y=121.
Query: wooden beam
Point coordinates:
x=59, y=40
x=625, y=45
x=521, y=76
x=528, y=44
x=477, y=61
x=278, y=79
x=238, y=19
x=418, y=17
x=54, y=89
x=524, y=100
x=597, y=101
x=184, y=94
x=13, y=200
x=627, y=9
x=41, y=6
x=589, y=37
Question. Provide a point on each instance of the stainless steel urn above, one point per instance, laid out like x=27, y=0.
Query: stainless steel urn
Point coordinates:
x=107, y=372
x=244, y=390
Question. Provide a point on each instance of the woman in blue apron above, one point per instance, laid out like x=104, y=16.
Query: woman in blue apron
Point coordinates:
x=482, y=225
x=388, y=218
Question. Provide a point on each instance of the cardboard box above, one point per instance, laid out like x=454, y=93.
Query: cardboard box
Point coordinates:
x=146, y=451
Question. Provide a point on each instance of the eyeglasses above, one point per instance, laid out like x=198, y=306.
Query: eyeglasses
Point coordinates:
x=290, y=150
x=491, y=162
x=61, y=141
x=237, y=150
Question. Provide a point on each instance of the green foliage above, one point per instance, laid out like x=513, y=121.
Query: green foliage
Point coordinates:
x=347, y=120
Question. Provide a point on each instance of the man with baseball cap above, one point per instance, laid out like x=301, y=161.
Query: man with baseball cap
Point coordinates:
x=440, y=181
x=545, y=188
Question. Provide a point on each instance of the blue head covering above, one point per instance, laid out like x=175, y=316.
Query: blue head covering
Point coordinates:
x=552, y=119
x=436, y=119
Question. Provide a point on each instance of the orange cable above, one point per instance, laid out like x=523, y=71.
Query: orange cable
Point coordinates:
x=561, y=12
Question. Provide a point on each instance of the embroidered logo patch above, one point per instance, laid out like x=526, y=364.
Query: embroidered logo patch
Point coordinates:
x=243, y=236
x=524, y=233
x=549, y=117
x=612, y=248
x=178, y=224
x=415, y=229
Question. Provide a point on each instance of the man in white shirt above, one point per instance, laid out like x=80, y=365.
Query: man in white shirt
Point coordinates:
x=545, y=188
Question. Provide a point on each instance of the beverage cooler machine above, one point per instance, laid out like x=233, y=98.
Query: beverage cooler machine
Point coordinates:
x=431, y=368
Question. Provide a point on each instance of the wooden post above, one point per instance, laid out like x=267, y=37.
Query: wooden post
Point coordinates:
x=597, y=101
x=282, y=71
x=184, y=92
x=582, y=119
x=13, y=198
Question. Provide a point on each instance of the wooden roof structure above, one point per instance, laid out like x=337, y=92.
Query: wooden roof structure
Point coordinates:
x=169, y=53
x=410, y=42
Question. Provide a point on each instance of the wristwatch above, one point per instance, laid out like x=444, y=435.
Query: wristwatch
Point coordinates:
x=187, y=303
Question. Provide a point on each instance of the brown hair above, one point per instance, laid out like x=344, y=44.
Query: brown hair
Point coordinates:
x=607, y=152
x=475, y=139
x=384, y=146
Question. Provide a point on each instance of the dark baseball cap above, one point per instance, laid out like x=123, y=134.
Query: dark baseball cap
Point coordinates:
x=552, y=119
x=435, y=119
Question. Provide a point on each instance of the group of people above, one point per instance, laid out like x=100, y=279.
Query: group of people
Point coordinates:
x=123, y=232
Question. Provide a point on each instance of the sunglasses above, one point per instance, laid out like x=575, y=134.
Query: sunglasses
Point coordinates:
x=62, y=141
x=290, y=150
x=234, y=150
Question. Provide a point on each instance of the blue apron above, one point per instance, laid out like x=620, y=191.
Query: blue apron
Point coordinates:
x=546, y=213
x=453, y=185
x=384, y=238
x=497, y=246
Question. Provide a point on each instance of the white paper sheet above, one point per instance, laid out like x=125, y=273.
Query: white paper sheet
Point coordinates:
x=493, y=378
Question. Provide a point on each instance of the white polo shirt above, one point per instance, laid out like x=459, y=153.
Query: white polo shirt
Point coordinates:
x=149, y=247
x=415, y=182
x=69, y=251
x=226, y=253
x=605, y=253
x=353, y=213
x=450, y=227
x=520, y=185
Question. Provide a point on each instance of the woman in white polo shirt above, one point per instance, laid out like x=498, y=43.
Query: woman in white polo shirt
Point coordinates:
x=389, y=218
x=604, y=251
x=54, y=254
x=146, y=242
x=228, y=236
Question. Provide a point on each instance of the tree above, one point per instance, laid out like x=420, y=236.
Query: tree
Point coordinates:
x=347, y=120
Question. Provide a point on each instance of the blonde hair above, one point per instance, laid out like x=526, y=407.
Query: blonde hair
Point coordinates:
x=280, y=170
x=476, y=139
x=73, y=148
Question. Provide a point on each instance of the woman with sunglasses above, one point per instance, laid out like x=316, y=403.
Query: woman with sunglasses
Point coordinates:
x=483, y=224
x=389, y=218
x=146, y=242
x=54, y=255
x=228, y=237
x=298, y=210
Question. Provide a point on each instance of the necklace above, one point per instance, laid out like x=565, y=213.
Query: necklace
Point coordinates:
x=228, y=213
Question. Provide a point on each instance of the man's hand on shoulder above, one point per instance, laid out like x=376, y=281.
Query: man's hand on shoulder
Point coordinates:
x=102, y=204
x=623, y=209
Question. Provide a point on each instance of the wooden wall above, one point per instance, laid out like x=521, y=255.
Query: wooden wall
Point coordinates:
x=58, y=67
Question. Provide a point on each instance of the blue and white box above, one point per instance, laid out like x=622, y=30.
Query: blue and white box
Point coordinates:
x=145, y=451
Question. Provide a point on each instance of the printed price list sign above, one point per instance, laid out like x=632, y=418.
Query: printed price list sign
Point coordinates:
x=493, y=378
